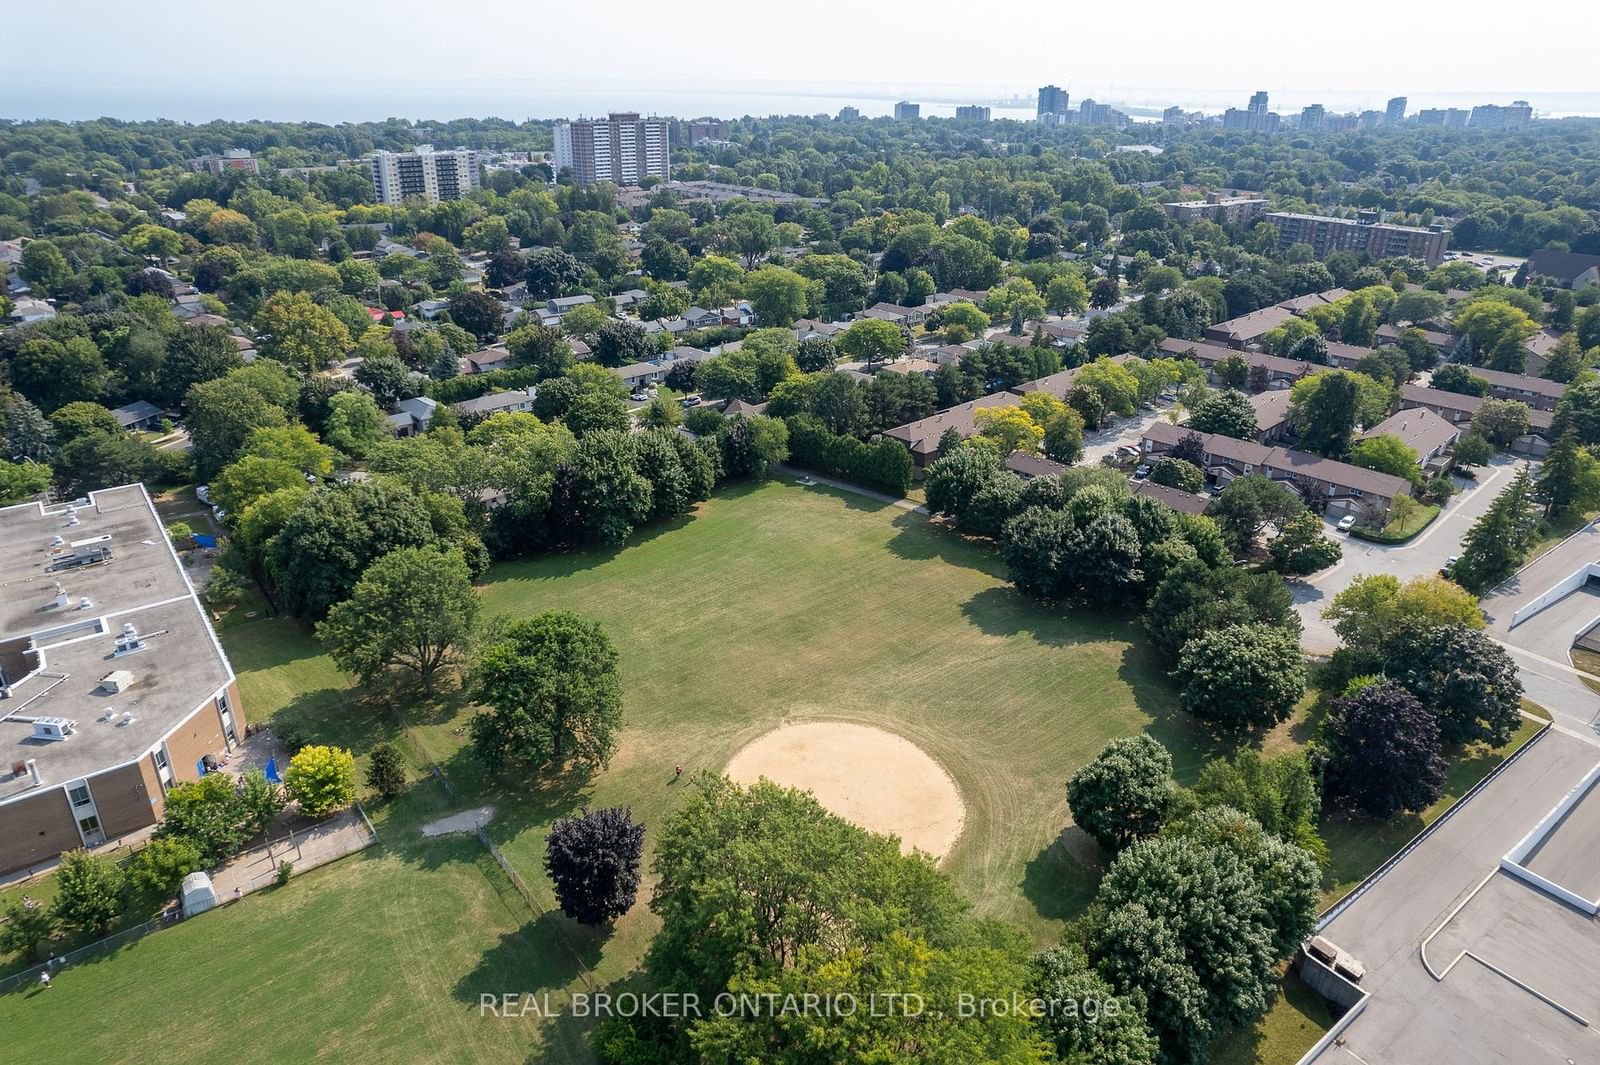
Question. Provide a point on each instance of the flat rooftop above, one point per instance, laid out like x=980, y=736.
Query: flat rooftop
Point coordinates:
x=141, y=583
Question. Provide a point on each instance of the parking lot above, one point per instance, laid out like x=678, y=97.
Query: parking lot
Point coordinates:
x=1426, y=553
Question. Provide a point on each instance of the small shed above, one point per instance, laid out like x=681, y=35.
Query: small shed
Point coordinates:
x=197, y=895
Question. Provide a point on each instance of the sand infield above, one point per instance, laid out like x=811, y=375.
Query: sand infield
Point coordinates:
x=875, y=779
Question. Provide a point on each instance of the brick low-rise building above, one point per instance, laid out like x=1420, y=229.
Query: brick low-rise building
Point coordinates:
x=113, y=685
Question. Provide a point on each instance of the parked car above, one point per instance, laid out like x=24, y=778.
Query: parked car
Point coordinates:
x=1142, y=472
x=1347, y=523
x=1449, y=565
x=203, y=494
x=691, y=401
x=639, y=397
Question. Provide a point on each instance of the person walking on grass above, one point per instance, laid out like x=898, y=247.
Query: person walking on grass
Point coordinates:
x=44, y=980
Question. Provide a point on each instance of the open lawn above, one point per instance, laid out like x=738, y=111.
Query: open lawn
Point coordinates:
x=771, y=605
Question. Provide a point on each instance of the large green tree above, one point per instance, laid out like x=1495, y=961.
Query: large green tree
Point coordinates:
x=1244, y=676
x=413, y=608
x=1124, y=794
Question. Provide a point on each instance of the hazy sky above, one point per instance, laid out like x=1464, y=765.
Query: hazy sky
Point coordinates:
x=112, y=57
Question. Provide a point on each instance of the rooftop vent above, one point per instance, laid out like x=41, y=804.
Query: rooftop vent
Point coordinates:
x=53, y=728
x=116, y=682
x=58, y=541
x=128, y=641
x=127, y=718
x=85, y=603
x=62, y=599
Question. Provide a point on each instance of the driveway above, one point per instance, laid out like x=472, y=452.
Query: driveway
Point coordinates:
x=1102, y=442
x=1424, y=554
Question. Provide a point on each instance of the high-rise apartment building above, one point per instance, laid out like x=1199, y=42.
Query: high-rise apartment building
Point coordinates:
x=1378, y=239
x=1396, y=111
x=423, y=173
x=1052, y=101
x=621, y=148
x=907, y=110
x=1493, y=116
x=973, y=112
x=848, y=113
x=1255, y=117
x=1449, y=117
x=1312, y=118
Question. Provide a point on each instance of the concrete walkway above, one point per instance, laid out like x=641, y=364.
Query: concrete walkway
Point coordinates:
x=845, y=486
x=306, y=848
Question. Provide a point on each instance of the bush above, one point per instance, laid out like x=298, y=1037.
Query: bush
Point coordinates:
x=285, y=871
x=885, y=466
x=88, y=891
x=322, y=780
x=386, y=771
x=162, y=865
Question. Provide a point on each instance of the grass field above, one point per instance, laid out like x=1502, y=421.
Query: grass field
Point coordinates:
x=771, y=604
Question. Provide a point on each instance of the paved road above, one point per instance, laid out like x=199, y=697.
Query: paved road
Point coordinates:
x=1423, y=555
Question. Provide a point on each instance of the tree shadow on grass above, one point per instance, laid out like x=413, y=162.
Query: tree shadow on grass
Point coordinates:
x=1060, y=881
x=920, y=539
x=1003, y=611
x=545, y=955
x=1190, y=741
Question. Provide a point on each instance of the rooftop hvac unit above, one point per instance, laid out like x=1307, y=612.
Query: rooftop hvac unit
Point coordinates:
x=58, y=541
x=85, y=603
x=127, y=718
x=117, y=681
x=128, y=642
x=94, y=549
x=53, y=728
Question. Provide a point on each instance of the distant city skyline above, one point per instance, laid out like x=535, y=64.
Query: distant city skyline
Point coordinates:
x=193, y=63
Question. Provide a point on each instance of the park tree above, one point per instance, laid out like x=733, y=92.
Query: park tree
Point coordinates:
x=1283, y=794
x=1324, y=409
x=1191, y=926
x=1196, y=597
x=355, y=423
x=1461, y=675
x=1500, y=421
x=26, y=929
x=957, y=477
x=88, y=891
x=386, y=771
x=593, y=863
x=1122, y=795
x=619, y=343
x=413, y=608
x=478, y=313
x=777, y=295
x=321, y=779
x=298, y=332
x=1495, y=545
x=1227, y=412
x=1459, y=378
x=159, y=868
x=550, y=694
x=540, y=348
x=614, y=497
x=1383, y=752
x=336, y=533
x=750, y=446
x=1248, y=505
x=1181, y=474
x=1372, y=606
x=1301, y=547
x=871, y=340
x=221, y=416
x=1244, y=676
x=1386, y=454
x=1063, y=981
x=552, y=272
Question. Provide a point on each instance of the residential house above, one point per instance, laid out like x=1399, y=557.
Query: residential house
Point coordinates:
x=498, y=402
x=1458, y=409
x=670, y=326
x=925, y=367
x=562, y=304
x=1247, y=329
x=1442, y=341
x=922, y=437
x=580, y=350
x=485, y=360
x=1536, y=392
x=1176, y=498
x=138, y=415
x=1346, y=356
x=431, y=309
x=806, y=328
x=1302, y=304
x=1565, y=268
x=411, y=416
x=738, y=408
x=1421, y=430
x=1281, y=372
x=1539, y=348
x=1028, y=466
x=949, y=354
x=906, y=317
x=31, y=310
x=1343, y=487
x=700, y=318
x=1272, y=415
x=632, y=297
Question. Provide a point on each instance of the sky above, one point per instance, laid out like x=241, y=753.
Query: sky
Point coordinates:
x=340, y=59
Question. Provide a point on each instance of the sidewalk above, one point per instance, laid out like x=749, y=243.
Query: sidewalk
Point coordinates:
x=306, y=848
x=846, y=486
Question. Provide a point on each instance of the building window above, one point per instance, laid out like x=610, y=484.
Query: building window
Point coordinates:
x=79, y=794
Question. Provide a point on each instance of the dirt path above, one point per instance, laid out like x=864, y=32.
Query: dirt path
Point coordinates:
x=465, y=821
